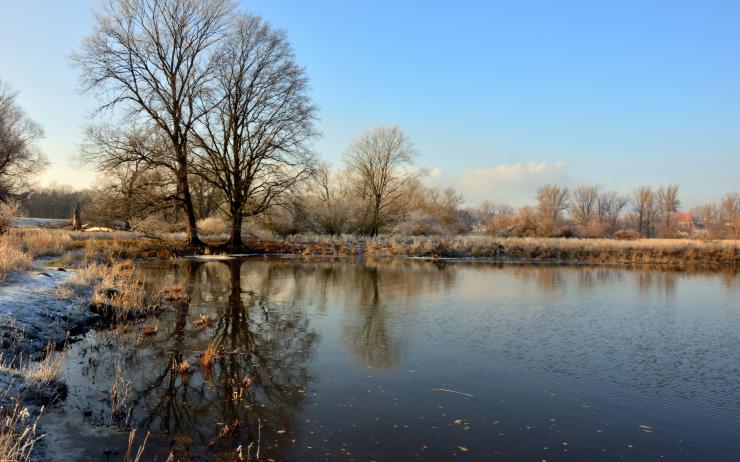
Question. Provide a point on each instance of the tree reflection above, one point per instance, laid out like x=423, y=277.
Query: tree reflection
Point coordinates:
x=369, y=339
x=257, y=386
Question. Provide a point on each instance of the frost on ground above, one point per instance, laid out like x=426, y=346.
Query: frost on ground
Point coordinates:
x=34, y=319
x=32, y=315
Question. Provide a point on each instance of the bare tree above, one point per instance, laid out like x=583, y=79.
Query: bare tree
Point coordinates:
x=668, y=203
x=731, y=212
x=253, y=144
x=153, y=58
x=644, y=205
x=584, y=203
x=381, y=162
x=328, y=200
x=137, y=166
x=552, y=201
x=19, y=156
x=610, y=206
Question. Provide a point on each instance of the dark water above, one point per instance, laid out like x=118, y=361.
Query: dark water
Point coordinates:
x=399, y=360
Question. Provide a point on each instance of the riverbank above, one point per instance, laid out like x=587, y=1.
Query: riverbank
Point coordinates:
x=55, y=286
x=670, y=253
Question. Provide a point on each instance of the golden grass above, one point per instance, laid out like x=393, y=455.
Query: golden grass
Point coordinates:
x=130, y=455
x=119, y=399
x=48, y=370
x=176, y=293
x=209, y=355
x=150, y=328
x=673, y=252
x=204, y=320
x=17, y=433
x=181, y=367
x=120, y=290
x=12, y=258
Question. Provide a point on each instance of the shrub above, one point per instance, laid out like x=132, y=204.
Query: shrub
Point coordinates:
x=8, y=210
x=212, y=226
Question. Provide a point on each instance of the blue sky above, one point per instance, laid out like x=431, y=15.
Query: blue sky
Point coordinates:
x=498, y=96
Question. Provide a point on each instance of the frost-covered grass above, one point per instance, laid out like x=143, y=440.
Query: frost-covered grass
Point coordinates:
x=17, y=433
x=677, y=252
x=12, y=259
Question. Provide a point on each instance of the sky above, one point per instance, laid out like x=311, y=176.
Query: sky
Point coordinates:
x=498, y=97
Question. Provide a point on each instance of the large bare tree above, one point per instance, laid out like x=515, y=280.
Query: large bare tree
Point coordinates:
x=19, y=155
x=153, y=58
x=253, y=144
x=381, y=162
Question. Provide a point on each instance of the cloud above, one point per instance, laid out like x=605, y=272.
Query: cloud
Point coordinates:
x=514, y=184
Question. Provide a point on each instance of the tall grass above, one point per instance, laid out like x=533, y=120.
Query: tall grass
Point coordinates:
x=675, y=252
x=12, y=259
x=18, y=434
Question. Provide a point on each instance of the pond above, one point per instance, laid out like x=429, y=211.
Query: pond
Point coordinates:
x=402, y=359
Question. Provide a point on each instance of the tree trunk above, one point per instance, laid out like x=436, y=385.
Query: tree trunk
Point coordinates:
x=77, y=218
x=235, y=239
x=187, y=199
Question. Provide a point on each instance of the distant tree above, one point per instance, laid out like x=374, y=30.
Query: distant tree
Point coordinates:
x=153, y=58
x=668, y=203
x=644, y=205
x=20, y=158
x=252, y=144
x=380, y=161
x=552, y=201
x=584, y=204
x=709, y=216
x=328, y=197
x=731, y=212
x=610, y=205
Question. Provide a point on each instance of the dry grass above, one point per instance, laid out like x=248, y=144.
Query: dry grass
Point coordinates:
x=151, y=328
x=17, y=433
x=46, y=371
x=672, y=252
x=38, y=374
x=12, y=259
x=119, y=400
x=212, y=226
x=209, y=355
x=130, y=455
x=204, y=320
x=120, y=291
x=181, y=367
x=176, y=293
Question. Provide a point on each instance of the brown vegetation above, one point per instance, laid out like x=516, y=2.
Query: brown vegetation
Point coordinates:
x=671, y=252
x=17, y=433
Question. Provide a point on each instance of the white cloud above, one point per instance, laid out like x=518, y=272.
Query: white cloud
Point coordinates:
x=514, y=184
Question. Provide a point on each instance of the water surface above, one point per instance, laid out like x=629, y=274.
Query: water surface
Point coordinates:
x=402, y=359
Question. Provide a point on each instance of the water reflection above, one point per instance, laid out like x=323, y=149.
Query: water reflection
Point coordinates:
x=296, y=337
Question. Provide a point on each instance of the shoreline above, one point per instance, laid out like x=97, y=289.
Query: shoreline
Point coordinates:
x=669, y=254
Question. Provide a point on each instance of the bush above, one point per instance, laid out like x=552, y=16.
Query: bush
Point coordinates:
x=627, y=234
x=8, y=210
x=418, y=223
x=212, y=226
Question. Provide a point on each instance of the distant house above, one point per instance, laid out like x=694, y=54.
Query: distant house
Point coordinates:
x=685, y=222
